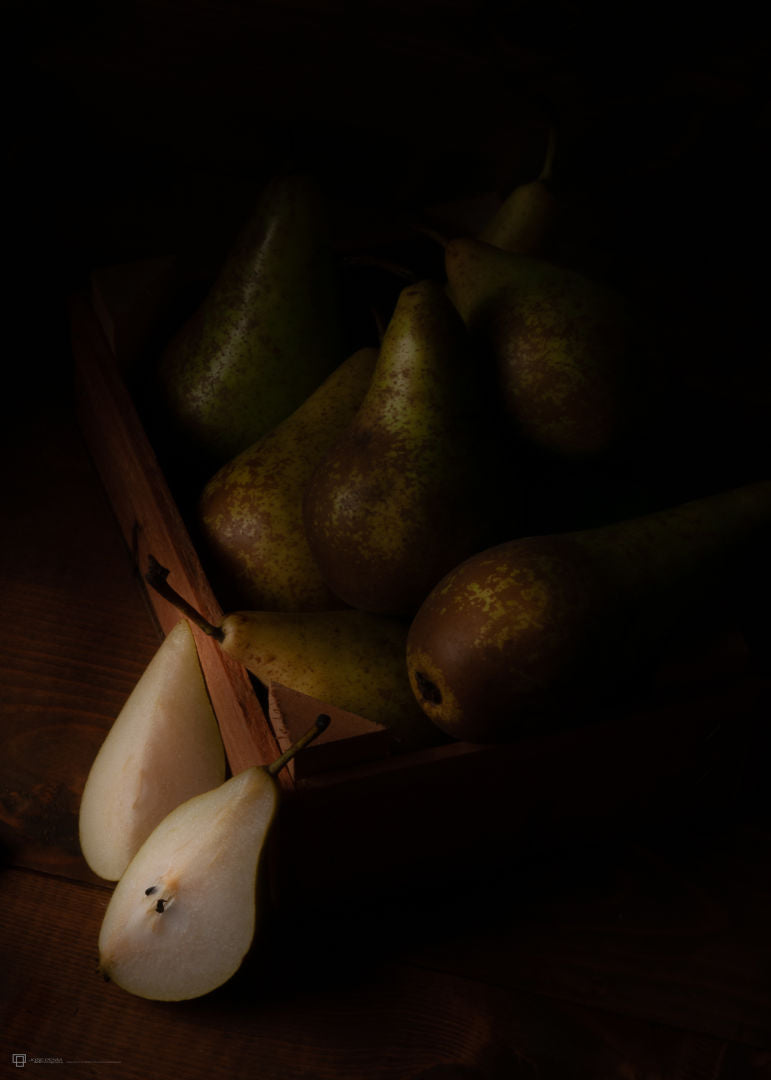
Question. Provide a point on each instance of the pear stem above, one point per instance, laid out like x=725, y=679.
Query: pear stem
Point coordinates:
x=439, y=238
x=156, y=577
x=387, y=265
x=321, y=724
x=546, y=174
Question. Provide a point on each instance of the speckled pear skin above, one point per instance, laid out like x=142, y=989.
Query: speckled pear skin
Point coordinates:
x=347, y=658
x=250, y=513
x=529, y=631
x=526, y=220
x=559, y=340
x=398, y=499
x=267, y=333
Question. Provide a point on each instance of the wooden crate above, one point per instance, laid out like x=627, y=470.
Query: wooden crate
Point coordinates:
x=359, y=819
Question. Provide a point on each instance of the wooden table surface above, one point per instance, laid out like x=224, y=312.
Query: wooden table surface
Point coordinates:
x=639, y=952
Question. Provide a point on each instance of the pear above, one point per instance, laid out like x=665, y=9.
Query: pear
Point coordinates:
x=350, y=659
x=533, y=630
x=526, y=220
x=250, y=512
x=398, y=499
x=163, y=748
x=265, y=336
x=560, y=342
x=183, y=915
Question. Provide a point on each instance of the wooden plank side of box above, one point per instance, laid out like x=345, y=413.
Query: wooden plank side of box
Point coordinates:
x=458, y=810
x=150, y=522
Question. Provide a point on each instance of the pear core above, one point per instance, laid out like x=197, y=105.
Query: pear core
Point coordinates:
x=183, y=916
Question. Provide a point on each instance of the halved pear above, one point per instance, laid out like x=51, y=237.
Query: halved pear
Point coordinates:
x=163, y=748
x=183, y=916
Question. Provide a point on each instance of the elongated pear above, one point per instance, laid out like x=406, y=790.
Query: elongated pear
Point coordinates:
x=251, y=511
x=398, y=499
x=560, y=343
x=265, y=336
x=184, y=914
x=543, y=626
x=163, y=748
x=348, y=658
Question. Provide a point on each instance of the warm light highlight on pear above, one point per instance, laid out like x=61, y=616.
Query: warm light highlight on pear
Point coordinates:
x=184, y=914
x=163, y=748
x=182, y=917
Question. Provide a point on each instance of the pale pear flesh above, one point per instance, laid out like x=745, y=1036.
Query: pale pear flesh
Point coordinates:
x=163, y=748
x=183, y=916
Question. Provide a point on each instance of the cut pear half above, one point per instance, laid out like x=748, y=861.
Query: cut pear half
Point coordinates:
x=163, y=748
x=183, y=916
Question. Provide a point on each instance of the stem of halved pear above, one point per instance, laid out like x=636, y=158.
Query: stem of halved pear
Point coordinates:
x=321, y=724
x=156, y=577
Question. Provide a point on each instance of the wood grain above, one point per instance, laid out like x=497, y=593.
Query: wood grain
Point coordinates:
x=151, y=524
x=365, y=1015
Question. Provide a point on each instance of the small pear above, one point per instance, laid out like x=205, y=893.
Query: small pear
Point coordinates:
x=250, y=512
x=526, y=220
x=265, y=336
x=560, y=342
x=540, y=628
x=183, y=915
x=347, y=658
x=163, y=748
x=398, y=499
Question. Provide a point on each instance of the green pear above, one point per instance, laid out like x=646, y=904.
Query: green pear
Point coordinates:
x=250, y=513
x=347, y=658
x=398, y=499
x=535, y=629
x=163, y=748
x=184, y=914
x=265, y=336
x=560, y=342
x=526, y=220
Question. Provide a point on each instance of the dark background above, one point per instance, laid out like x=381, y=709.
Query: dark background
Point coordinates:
x=144, y=128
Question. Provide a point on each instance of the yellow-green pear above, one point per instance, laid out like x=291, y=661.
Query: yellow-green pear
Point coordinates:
x=267, y=333
x=539, y=629
x=348, y=658
x=184, y=914
x=559, y=340
x=526, y=220
x=399, y=498
x=250, y=512
x=163, y=748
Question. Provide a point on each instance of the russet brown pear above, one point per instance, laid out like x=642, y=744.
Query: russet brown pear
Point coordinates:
x=532, y=629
